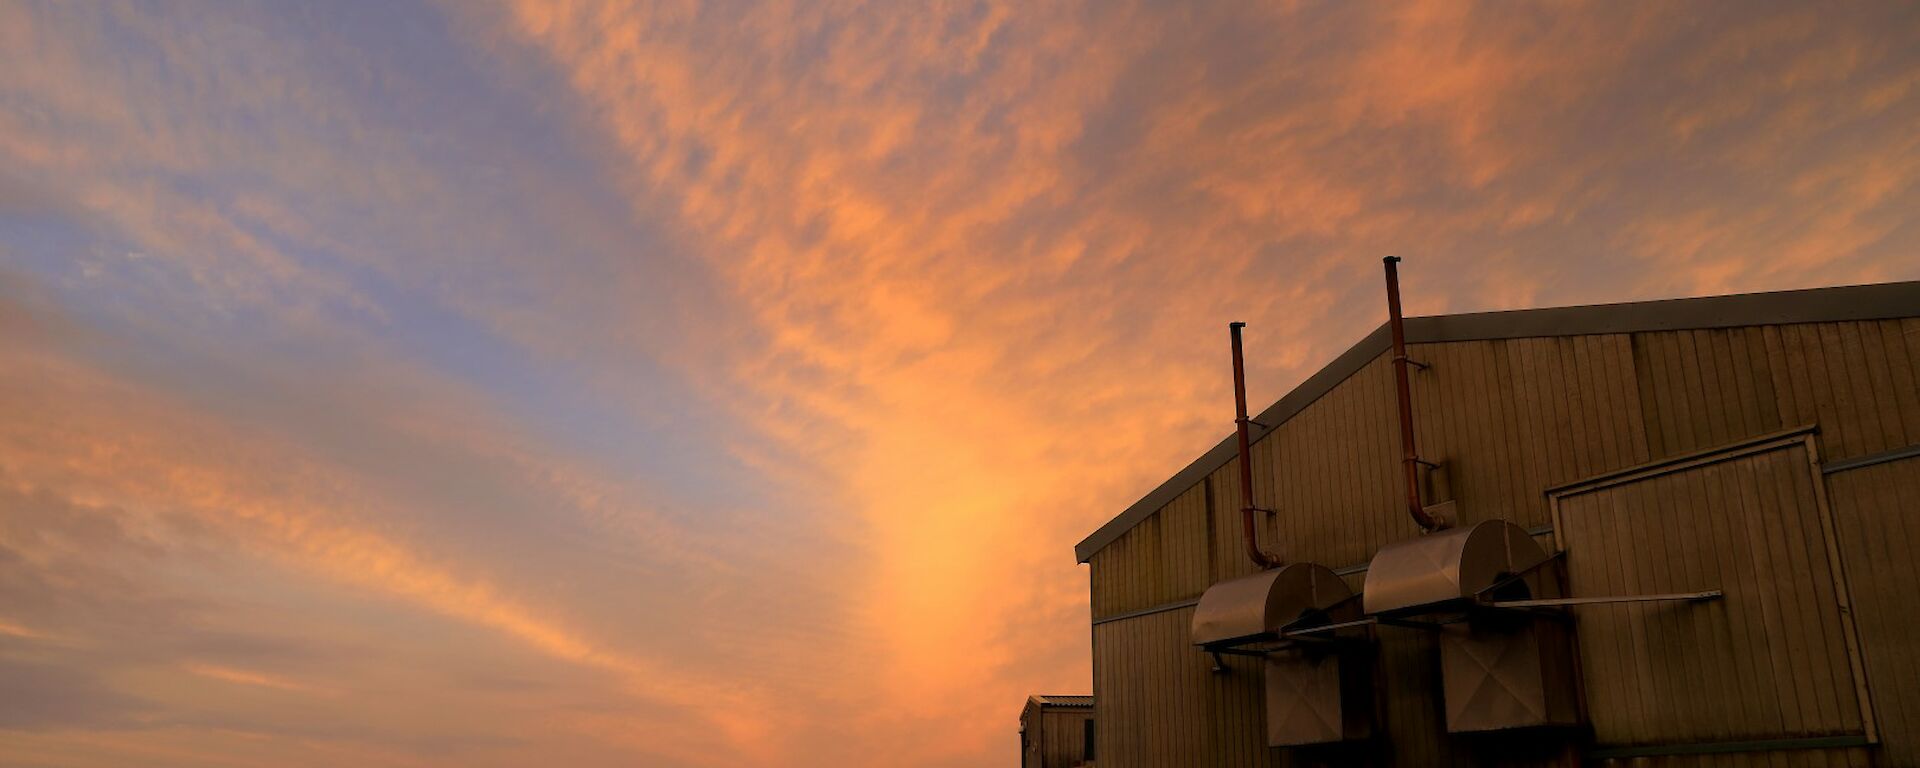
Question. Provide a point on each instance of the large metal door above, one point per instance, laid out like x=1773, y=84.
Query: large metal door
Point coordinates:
x=1777, y=659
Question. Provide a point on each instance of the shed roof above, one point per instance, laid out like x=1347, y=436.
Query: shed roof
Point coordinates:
x=1061, y=701
x=1815, y=305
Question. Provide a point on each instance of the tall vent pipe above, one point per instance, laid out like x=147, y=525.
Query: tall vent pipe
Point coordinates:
x=1409, y=455
x=1249, y=530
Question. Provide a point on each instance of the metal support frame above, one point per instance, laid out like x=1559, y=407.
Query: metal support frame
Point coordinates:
x=1691, y=597
x=1511, y=578
x=1557, y=602
x=1287, y=641
x=1432, y=626
x=1298, y=633
x=1288, y=638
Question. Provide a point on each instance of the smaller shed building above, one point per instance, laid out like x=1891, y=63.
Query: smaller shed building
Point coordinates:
x=1057, y=732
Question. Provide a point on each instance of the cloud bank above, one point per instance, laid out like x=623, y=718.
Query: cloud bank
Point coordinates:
x=727, y=383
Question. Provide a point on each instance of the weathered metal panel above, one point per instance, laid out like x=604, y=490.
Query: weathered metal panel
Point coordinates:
x=1065, y=742
x=1771, y=660
x=1158, y=704
x=1167, y=557
x=1856, y=380
x=1876, y=511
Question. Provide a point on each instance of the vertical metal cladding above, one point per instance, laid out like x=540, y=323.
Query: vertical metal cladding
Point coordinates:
x=1775, y=660
x=1056, y=731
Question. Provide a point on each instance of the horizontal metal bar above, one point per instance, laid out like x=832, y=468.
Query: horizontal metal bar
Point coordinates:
x=1148, y=611
x=1711, y=594
x=1411, y=624
x=1548, y=613
x=1723, y=747
x=1859, y=462
x=1328, y=627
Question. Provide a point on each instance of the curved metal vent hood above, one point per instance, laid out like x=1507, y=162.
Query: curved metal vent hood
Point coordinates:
x=1316, y=664
x=1261, y=606
x=1458, y=563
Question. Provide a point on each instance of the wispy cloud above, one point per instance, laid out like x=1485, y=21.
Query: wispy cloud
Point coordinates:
x=259, y=679
x=726, y=383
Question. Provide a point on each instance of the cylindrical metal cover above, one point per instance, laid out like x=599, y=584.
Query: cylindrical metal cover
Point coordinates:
x=1252, y=606
x=1447, y=565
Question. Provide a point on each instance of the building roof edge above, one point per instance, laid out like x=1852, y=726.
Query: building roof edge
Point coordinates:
x=1878, y=301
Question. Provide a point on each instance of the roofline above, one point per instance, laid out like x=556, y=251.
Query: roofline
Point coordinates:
x=1049, y=700
x=1880, y=301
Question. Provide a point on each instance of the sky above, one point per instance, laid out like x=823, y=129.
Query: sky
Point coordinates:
x=727, y=384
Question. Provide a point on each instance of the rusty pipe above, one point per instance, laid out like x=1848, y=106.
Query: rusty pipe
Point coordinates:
x=1409, y=456
x=1249, y=530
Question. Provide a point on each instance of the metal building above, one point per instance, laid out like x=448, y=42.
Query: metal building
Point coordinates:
x=1057, y=732
x=1667, y=533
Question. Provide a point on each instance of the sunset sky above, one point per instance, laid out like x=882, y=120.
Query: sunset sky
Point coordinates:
x=726, y=384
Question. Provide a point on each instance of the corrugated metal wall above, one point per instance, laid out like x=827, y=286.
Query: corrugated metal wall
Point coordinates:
x=1877, y=511
x=1056, y=737
x=1510, y=419
x=1769, y=661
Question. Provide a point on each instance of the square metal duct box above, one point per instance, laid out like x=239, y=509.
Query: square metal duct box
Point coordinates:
x=1517, y=675
x=1319, y=698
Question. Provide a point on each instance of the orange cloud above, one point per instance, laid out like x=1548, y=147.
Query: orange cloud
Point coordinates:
x=103, y=443
x=991, y=248
x=258, y=679
x=960, y=273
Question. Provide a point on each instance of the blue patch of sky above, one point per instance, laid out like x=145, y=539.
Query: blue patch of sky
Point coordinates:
x=406, y=68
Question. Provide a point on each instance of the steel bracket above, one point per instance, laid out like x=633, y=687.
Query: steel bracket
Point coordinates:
x=1431, y=626
x=1496, y=586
